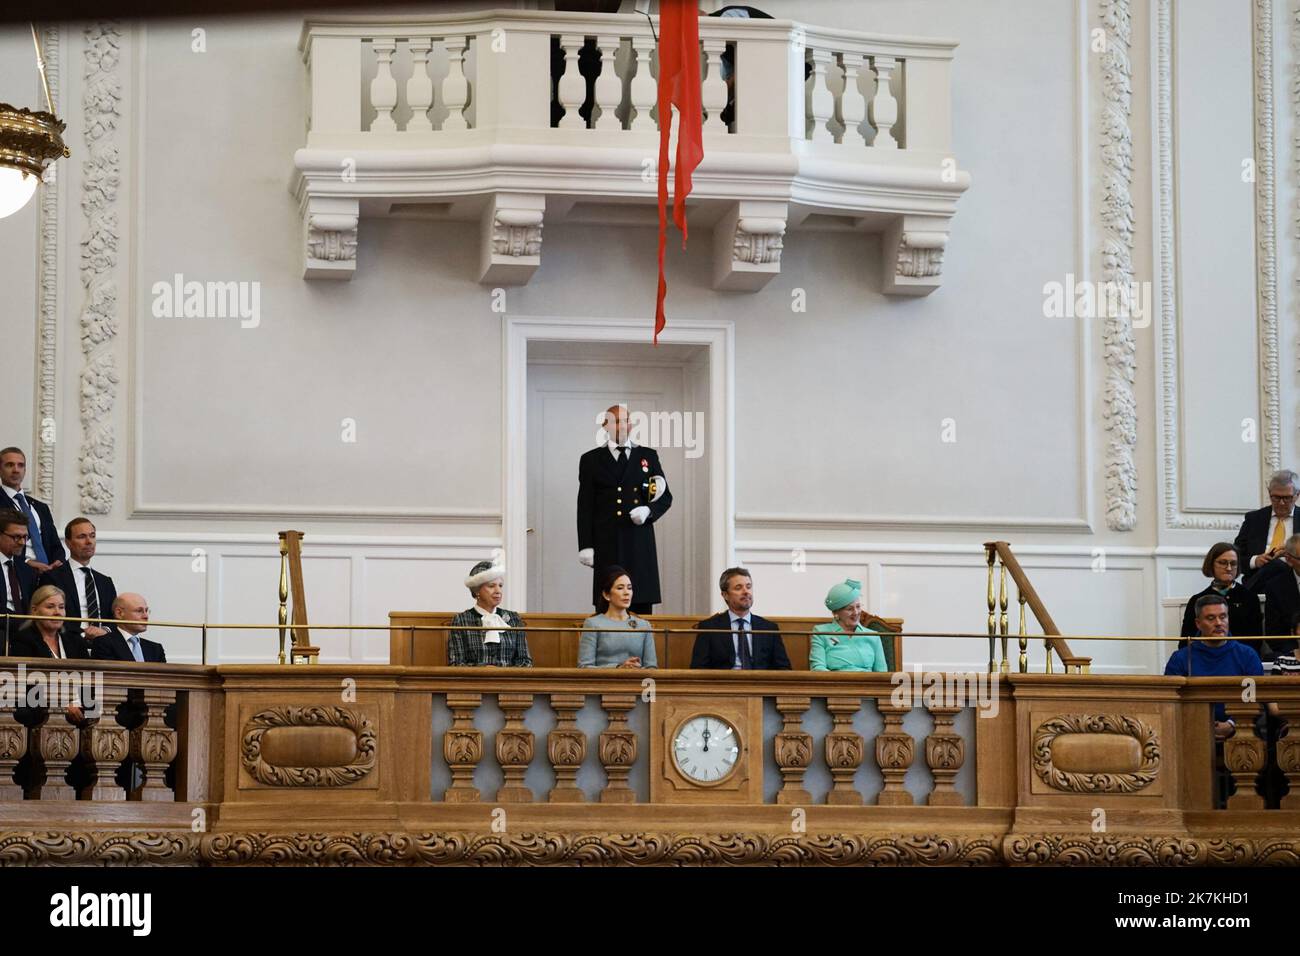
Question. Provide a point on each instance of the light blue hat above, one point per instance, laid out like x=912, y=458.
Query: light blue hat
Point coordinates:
x=842, y=595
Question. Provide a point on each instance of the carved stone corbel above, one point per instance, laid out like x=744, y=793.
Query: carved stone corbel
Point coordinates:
x=913, y=249
x=747, y=245
x=331, y=238
x=512, y=238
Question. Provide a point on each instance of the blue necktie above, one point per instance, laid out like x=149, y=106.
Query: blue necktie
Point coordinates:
x=33, y=528
x=135, y=648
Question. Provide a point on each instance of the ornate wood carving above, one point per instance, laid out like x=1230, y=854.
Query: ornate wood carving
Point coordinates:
x=273, y=775
x=566, y=745
x=13, y=746
x=793, y=750
x=462, y=748
x=945, y=752
x=844, y=751
x=347, y=848
x=1244, y=755
x=104, y=745
x=514, y=748
x=1078, y=782
x=56, y=742
x=153, y=744
x=895, y=751
x=617, y=748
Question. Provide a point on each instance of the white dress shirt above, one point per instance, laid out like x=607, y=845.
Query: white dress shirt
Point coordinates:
x=613, y=448
x=80, y=578
x=4, y=573
x=735, y=639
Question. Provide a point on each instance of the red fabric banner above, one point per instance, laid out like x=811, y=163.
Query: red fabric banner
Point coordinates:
x=679, y=85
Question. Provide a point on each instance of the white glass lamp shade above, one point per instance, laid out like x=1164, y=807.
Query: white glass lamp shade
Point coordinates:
x=16, y=188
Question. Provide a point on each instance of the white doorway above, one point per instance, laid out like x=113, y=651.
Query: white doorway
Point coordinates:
x=559, y=375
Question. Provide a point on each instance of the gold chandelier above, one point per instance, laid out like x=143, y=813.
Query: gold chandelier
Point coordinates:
x=30, y=140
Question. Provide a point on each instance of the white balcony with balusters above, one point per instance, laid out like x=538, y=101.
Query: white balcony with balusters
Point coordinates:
x=513, y=119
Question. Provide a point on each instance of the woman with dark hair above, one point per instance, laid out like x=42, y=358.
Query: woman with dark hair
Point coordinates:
x=616, y=637
x=1244, y=620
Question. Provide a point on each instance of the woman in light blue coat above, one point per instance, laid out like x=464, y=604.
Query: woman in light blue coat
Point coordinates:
x=616, y=637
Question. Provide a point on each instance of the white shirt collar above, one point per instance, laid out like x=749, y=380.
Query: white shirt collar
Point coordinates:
x=484, y=612
x=75, y=564
x=613, y=448
x=734, y=617
x=13, y=492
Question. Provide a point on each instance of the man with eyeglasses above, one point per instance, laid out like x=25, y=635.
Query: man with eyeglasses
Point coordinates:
x=1264, y=531
x=19, y=580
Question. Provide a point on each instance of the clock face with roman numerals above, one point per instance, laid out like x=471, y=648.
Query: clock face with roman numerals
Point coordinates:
x=705, y=749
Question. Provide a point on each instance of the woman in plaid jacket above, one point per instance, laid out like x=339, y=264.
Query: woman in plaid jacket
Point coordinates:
x=487, y=648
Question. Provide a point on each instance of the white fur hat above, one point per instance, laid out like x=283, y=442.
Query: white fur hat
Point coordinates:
x=483, y=572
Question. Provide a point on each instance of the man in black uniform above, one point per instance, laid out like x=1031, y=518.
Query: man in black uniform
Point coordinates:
x=621, y=493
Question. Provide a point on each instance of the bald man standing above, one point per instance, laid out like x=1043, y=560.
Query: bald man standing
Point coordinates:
x=622, y=492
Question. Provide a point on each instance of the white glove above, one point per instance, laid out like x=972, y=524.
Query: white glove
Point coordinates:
x=587, y=556
x=639, y=514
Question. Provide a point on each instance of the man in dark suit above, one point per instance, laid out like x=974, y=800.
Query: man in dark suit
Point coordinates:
x=1265, y=530
x=86, y=591
x=44, y=549
x=123, y=642
x=618, y=504
x=741, y=640
x=17, y=579
x=1280, y=584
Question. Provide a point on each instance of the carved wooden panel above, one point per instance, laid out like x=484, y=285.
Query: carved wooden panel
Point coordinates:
x=1101, y=765
x=314, y=766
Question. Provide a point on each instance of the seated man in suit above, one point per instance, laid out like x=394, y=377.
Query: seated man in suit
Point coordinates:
x=1265, y=530
x=89, y=593
x=43, y=548
x=742, y=640
x=123, y=642
x=1280, y=584
x=19, y=580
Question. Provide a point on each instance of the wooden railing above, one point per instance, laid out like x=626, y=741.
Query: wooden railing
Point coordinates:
x=383, y=764
x=999, y=554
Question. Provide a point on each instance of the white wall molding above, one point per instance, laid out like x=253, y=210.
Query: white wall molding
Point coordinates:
x=1115, y=143
x=47, y=334
x=759, y=521
x=101, y=174
x=1165, y=195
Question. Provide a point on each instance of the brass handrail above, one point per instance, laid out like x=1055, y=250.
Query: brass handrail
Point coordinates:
x=1001, y=550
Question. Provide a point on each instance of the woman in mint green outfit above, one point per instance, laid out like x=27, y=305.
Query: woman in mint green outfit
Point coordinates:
x=844, y=644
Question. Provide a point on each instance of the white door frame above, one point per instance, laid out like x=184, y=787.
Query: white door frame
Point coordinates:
x=718, y=337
